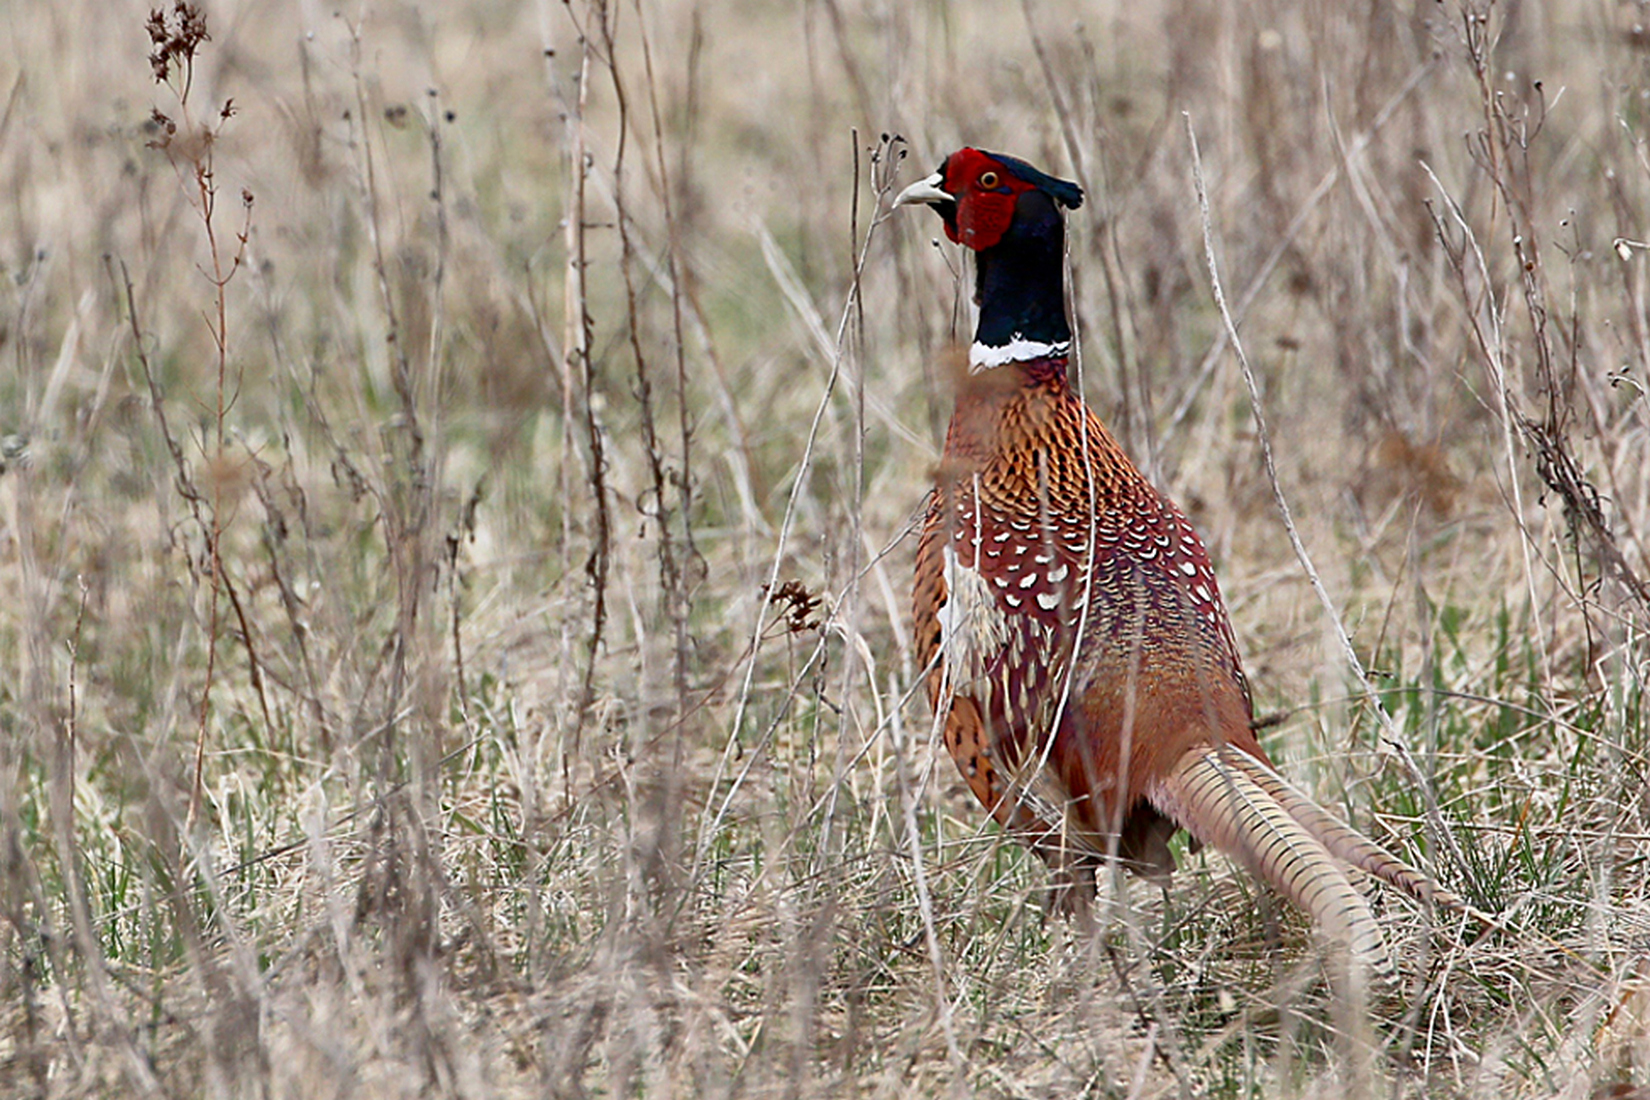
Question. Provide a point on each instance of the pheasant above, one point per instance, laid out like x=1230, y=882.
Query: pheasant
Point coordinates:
x=1077, y=647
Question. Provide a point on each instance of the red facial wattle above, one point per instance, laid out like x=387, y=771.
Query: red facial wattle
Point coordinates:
x=986, y=192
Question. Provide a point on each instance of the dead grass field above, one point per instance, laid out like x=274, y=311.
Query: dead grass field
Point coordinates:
x=456, y=618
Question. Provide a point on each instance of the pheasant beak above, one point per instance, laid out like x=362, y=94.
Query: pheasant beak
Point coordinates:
x=926, y=191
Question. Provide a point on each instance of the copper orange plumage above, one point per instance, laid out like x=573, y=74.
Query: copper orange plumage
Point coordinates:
x=1077, y=647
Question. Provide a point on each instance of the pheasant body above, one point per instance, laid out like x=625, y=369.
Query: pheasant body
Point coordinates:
x=1048, y=563
x=1079, y=653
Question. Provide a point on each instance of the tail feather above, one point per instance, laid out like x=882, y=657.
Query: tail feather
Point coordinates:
x=1346, y=842
x=1215, y=798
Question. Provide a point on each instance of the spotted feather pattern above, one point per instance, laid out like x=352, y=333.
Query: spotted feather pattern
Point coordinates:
x=1085, y=668
x=1073, y=607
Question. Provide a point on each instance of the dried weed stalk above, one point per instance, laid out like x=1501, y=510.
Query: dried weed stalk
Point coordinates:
x=1513, y=120
x=176, y=38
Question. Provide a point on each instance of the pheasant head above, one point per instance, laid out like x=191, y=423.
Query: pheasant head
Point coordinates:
x=1010, y=215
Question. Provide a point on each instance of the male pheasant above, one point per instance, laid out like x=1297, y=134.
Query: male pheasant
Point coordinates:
x=1075, y=637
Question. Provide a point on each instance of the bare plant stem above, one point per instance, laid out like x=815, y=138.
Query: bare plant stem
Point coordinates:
x=206, y=195
x=210, y=510
x=577, y=347
x=176, y=40
x=682, y=477
x=670, y=573
x=1389, y=730
x=837, y=352
x=1511, y=125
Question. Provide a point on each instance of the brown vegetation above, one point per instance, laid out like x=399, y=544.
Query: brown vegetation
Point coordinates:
x=457, y=474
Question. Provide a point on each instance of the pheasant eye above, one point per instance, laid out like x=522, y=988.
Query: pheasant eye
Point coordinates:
x=988, y=180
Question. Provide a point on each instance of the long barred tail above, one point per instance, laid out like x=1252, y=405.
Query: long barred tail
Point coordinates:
x=1351, y=845
x=1218, y=799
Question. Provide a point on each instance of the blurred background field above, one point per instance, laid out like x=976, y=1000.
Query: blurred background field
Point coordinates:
x=457, y=521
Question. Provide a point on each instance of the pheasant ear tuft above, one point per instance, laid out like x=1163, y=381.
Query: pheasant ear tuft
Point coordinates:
x=1064, y=192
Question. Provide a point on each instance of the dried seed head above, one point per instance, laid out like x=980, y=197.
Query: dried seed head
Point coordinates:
x=176, y=37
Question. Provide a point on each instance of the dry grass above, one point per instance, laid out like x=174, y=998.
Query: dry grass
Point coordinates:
x=396, y=708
